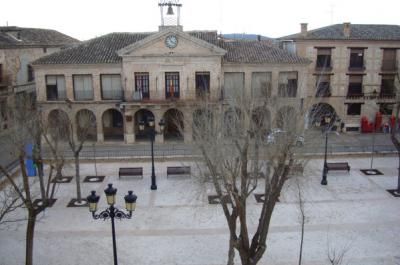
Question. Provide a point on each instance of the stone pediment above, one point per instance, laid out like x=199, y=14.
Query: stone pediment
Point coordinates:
x=187, y=45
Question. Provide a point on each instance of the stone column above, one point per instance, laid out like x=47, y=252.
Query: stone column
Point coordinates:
x=187, y=127
x=129, y=127
x=99, y=127
x=157, y=118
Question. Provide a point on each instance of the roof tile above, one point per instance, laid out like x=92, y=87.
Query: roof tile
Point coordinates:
x=357, y=32
x=104, y=50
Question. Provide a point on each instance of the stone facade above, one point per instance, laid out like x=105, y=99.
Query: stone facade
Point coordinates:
x=150, y=55
x=339, y=45
x=19, y=47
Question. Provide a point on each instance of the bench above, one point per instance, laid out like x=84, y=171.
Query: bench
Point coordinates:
x=337, y=166
x=177, y=171
x=130, y=171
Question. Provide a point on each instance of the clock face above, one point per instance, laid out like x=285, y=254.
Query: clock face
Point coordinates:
x=171, y=41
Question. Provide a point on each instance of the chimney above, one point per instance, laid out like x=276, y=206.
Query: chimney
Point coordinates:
x=259, y=37
x=346, y=29
x=303, y=29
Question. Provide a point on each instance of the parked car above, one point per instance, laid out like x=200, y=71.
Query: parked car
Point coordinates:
x=275, y=133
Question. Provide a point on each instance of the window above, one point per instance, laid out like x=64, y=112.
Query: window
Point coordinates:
x=355, y=86
x=261, y=85
x=55, y=87
x=202, y=84
x=323, y=84
x=386, y=109
x=356, y=58
x=142, y=85
x=172, y=85
x=287, y=84
x=31, y=75
x=1, y=73
x=111, y=87
x=387, y=86
x=324, y=58
x=233, y=85
x=389, y=60
x=354, y=109
x=83, y=89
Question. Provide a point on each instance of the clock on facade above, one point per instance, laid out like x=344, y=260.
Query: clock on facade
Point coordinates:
x=171, y=41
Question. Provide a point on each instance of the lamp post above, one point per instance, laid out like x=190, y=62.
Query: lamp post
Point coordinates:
x=152, y=135
x=112, y=212
x=326, y=129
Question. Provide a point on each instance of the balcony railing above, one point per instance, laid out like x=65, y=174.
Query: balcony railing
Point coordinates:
x=354, y=95
x=356, y=68
x=387, y=95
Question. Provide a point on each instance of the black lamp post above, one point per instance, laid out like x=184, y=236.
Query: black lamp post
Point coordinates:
x=112, y=212
x=152, y=134
x=326, y=129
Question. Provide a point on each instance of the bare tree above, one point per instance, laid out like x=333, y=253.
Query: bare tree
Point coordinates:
x=336, y=254
x=76, y=137
x=302, y=216
x=231, y=138
x=24, y=130
x=9, y=201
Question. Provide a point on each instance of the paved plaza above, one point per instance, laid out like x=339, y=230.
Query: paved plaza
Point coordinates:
x=176, y=225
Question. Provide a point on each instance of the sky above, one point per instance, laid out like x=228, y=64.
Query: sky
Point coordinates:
x=86, y=19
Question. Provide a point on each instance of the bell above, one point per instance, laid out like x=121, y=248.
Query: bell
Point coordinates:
x=170, y=10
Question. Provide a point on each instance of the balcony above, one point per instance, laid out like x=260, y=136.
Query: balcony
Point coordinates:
x=387, y=95
x=353, y=95
x=356, y=68
x=320, y=70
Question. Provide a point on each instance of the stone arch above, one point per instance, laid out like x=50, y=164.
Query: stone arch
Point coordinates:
x=174, y=125
x=233, y=121
x=59, y=124
x=318, y=112
x=86, y=126
x=142, y=115
x=261, y=120
x=113, y=125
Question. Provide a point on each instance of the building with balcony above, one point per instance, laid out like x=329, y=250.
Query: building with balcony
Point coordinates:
x=18, y=48
x=354, y=69
x=125, y=78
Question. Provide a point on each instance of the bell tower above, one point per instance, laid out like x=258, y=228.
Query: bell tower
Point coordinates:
x=170, y=13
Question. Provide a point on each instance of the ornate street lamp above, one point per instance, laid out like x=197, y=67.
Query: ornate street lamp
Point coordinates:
x=112, y=212
x=326, y=129
x=152, y=134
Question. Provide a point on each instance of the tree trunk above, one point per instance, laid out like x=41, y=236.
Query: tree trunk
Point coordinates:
x=39, y=165
x=78, y=181
x=30, y=231
x=231, y=253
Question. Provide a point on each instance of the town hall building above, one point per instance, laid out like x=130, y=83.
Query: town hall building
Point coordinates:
x=123, y=79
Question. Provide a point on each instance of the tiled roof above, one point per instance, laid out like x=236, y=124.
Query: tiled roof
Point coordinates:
x=14, y=37
x=104, y=50
x=357, y=32
x=258, y=52
x=98, y=50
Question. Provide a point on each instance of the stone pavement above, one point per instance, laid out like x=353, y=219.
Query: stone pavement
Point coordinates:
x=176, y=225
